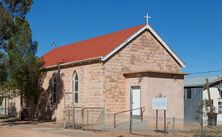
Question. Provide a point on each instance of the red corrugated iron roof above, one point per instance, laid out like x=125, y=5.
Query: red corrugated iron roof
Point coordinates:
x=87, y=49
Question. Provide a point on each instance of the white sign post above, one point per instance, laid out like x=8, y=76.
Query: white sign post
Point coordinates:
x=160, y=103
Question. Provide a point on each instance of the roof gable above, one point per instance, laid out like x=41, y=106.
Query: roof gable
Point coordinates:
x=148, y=27
x=101, y=47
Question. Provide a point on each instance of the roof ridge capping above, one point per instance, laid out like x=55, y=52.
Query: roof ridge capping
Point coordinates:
x=178, y=59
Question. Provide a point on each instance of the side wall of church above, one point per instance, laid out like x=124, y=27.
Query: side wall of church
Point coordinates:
x=90, y=89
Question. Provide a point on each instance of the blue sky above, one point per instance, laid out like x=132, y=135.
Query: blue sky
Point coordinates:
x=193, y=29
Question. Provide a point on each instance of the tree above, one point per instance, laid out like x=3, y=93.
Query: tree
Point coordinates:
x=3, y=70
x=18, y=51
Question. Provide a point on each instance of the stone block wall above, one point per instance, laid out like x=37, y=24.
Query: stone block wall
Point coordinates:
x=142, y=54
x=90, y=88
x=103, y=84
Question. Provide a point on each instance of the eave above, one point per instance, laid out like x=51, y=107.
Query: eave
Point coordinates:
x=159, y=74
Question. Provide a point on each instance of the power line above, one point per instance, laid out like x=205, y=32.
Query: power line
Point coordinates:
x=204, y=72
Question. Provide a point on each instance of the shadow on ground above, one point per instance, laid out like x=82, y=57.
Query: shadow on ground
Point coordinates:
x=14, y=122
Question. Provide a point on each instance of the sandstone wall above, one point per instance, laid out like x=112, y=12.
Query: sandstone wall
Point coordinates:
x=143, y=53
x=90, y=87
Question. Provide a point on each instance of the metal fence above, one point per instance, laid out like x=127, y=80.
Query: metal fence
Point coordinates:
x=87, y=118
x=149, y=126
x=174, y=127
x=3, y=112
x=93, y=118
x=8, y=112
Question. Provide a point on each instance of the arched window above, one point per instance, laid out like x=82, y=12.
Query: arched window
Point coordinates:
x=54, y=89
x=75, y=87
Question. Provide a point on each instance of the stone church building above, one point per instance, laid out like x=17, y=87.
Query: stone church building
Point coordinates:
x=118, y=71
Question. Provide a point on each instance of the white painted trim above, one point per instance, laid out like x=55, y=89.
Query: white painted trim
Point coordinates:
x=166, y=46
x=123, y=44
x=136, y=34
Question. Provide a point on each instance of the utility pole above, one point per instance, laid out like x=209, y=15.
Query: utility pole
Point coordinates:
x=211, y=115
x=209, y=97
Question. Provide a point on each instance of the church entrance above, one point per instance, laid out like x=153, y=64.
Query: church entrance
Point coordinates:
x=136, y=100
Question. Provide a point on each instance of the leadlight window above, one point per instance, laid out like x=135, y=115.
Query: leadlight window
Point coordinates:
x=54, y=89
x=75, y=88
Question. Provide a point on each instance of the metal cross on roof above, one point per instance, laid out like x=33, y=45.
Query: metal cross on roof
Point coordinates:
x=147, y=17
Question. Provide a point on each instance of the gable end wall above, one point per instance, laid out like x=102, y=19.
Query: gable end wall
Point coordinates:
x=142, y=54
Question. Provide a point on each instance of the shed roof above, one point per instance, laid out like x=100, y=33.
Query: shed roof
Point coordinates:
x=200, y=81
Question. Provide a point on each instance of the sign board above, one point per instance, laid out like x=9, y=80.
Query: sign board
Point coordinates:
x=159, y=103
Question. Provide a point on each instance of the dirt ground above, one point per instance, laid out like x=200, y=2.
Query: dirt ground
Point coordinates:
x=11, y=128
x=49, y=129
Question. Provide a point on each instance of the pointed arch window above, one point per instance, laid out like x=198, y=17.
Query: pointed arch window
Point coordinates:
x=75, y=88
x=54, y=89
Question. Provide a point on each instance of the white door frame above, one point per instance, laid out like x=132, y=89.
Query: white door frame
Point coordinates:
x=131, y=99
